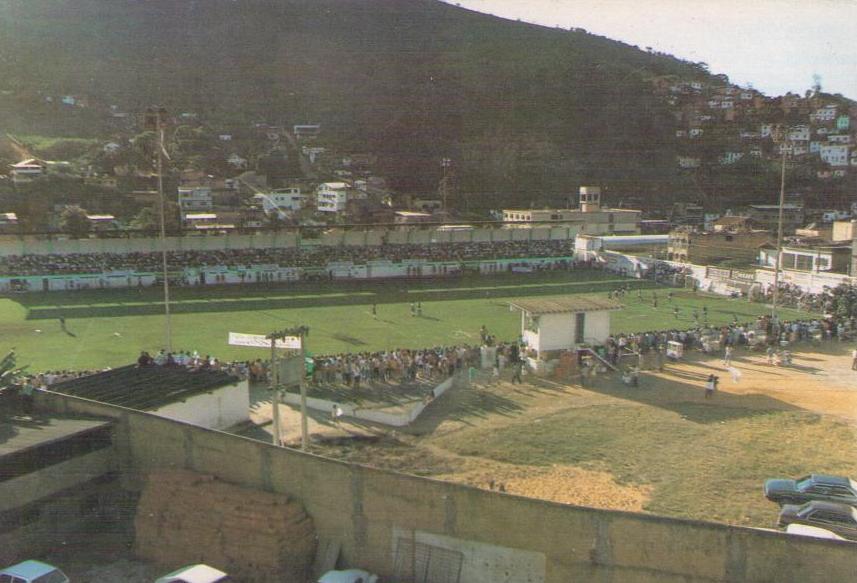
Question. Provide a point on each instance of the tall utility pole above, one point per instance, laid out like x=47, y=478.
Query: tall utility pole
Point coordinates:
x=445, y=164
x=155, y=122
x=296, y=337
x=275, y=392
x=784, y=146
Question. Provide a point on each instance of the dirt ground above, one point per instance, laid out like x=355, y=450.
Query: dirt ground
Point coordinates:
x=819, y=383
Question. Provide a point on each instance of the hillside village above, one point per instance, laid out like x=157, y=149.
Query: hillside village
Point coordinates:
x=220, y=178
x=720, y=124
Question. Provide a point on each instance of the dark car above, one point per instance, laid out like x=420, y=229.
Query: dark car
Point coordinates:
x=838, y=518
x=814, y=487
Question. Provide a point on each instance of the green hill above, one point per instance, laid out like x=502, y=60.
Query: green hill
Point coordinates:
x=526, y=112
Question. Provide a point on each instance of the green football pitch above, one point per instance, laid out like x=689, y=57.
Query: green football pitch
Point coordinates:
x=109, y=328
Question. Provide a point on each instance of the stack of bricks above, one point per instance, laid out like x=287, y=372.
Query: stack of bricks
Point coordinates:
x=185, y=518
x=566, y=369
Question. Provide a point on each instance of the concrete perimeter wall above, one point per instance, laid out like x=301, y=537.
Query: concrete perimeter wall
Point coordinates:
x=365, y=509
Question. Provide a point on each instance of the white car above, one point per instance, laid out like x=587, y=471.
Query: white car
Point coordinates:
x=348, y=576
x=806, y=530
x=32, y=572
x=195, y=574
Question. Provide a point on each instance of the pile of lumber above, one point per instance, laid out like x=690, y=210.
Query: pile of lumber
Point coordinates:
x=185, y=518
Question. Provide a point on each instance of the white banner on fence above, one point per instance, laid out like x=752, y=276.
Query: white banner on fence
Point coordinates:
x=260, y=341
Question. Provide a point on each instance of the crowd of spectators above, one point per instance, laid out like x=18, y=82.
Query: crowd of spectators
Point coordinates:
x=840, y=301
x=52, y=377
x=303, y=257
x=192, y=360
x=762, y=334
x=402, y=365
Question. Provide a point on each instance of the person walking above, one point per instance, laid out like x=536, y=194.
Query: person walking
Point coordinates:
x=375, y=310
x=27, y=390
x=854, y=359
x=517, y=364
x=727, y=356
x=516, y=374
x=710, y=386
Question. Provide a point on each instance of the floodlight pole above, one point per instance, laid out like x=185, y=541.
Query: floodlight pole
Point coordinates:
x=275, y=392
x=301, y=332
x=162, y=204
x=779, y=231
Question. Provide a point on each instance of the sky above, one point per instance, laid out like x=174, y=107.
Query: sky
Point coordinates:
x=774, y=45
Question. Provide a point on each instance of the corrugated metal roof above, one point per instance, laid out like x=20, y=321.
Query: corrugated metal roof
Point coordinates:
x=144, y=388
x=565, y=304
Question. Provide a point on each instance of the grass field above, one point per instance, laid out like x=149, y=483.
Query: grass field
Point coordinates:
x=109, y=328
x=661, y=447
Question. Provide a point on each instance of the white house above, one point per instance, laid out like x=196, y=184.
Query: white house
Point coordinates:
x=730, y=157
x=564, y=323
x=826, y=113
x=834, y=154
x=287, y=199
x=332, y=197
x=799, y=133
x=111, y=148
x=688, y=162
x=839, y=138
x=195, y=199
x=28, y=169
x=225, y=137
x=766, y=130
x=695, y=132
x=313, y=152
x=236, y=161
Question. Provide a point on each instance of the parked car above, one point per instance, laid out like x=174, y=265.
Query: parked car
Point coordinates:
x=812, y=487
x=838, y=518
x=195, y=574
x=815, y=531
x=348, y=576
x=32, y=572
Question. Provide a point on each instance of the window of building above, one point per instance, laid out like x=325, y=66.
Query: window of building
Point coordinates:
x=803, y=262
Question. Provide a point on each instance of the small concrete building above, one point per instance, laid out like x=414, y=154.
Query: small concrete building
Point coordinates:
x=55, y=472
x=207, y=398
x=590, y=218
x=564, y=323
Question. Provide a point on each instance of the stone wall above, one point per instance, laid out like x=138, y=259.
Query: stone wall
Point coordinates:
x=369, y=512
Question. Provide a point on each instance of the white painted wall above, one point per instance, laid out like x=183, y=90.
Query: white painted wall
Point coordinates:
x=558, y=331
x=218, y=409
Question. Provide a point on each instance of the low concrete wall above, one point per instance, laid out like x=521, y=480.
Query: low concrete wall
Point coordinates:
x=401, y=419
x=367, y=509
x=218, y=409
x=48, y=481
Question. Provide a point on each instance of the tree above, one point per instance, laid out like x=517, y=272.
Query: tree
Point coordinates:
x=149, y=219
x=75, y=222
x=8, y=371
